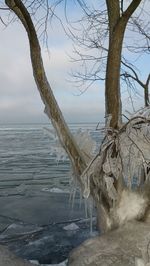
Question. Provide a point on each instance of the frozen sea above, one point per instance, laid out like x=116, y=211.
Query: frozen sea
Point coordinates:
x=35, y=190
x=26, y=159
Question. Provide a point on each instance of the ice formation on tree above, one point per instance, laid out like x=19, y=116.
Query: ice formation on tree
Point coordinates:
x=56, y=148
x=83, y=140
x=122, y=164
x=122, y=161
x=86, y=143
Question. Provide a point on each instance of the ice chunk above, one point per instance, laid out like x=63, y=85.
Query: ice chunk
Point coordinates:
x=64, y=263
x=35, y=262
x=71, y=227
x=54, y=190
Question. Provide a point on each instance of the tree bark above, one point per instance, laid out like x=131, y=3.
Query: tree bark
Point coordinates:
x=117, y=26
x=112, y=86
x=146, y=91
x=146, y=96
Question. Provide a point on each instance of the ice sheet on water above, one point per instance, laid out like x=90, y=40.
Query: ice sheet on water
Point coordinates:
x=38, y=242
x=22, y=188
x=19, y=229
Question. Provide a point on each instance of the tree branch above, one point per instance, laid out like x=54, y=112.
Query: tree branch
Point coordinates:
x=131, y=8
x=148, y=80
x=3, y=22
x=4, y=8
x=128, y=66
x=127, y=75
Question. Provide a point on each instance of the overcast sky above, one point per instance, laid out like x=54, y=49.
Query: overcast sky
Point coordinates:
x=19, y=98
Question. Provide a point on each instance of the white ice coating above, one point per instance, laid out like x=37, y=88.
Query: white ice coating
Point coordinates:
x=86, y=143
x=135, y=147
x=132, y=206
x=83, y=139
x=127, y=155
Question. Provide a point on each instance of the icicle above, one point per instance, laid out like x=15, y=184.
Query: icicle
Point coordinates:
x=90, y=205
x=73, y=192
x=86, y=191
x=86, y=144
x=86, y=208
x=110, y=187
x=108, y=120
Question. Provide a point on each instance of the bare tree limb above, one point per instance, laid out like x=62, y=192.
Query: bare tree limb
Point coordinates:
x=135, y=77
x=147, y=81
x=3, y=22
x=131, y=8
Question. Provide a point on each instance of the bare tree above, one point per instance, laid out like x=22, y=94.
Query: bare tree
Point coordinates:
x=91, y=48
x=105, y=177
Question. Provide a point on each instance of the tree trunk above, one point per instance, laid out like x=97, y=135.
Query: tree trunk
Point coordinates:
x=112, y=86
x=51, y=107
x=117, y=26
x=146, y=96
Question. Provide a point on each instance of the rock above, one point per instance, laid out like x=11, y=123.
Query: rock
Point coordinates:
x=124, y=246
x=7, y=258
